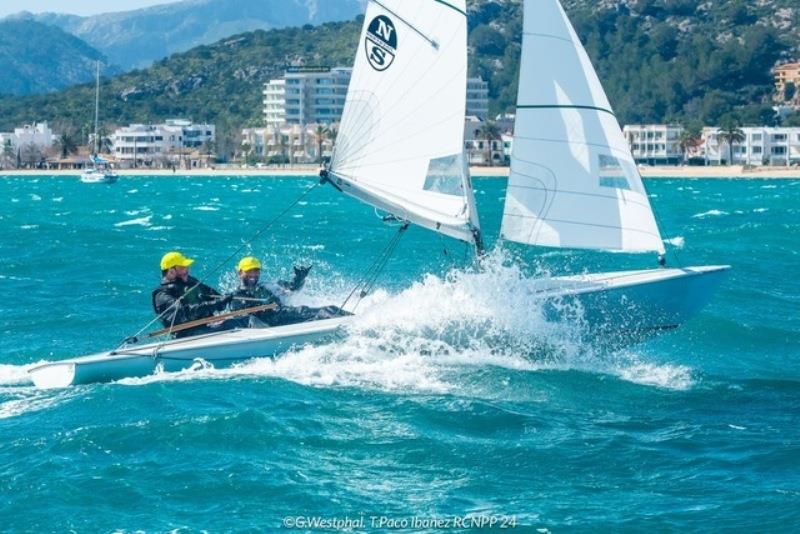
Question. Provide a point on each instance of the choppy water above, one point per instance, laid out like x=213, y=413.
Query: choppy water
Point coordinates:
x=448, y=399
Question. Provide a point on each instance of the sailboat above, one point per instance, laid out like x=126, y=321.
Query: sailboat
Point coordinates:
x=400, y=149
x=100, y=172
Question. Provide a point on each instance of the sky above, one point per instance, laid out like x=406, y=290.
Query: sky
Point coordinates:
x=75, y=7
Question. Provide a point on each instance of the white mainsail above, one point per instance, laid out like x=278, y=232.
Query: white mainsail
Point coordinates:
x=400, y=146
x=573, y=180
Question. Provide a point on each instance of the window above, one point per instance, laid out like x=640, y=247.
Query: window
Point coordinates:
x=756, y=150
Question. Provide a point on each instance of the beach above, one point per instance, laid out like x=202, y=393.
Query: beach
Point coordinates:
x=726, y=172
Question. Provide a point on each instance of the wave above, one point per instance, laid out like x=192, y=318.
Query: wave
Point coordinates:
x=141, y=221
x=710, y=213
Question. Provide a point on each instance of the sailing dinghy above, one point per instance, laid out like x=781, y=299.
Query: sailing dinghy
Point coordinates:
x=573, y=184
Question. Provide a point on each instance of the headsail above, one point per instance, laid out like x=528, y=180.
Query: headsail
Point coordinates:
x=400, y=146
x=573, y=180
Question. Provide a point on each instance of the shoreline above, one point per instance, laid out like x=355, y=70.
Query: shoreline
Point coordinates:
x=732, y=172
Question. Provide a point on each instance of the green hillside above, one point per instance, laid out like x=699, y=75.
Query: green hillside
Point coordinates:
x=660, y=60
x=37, y=58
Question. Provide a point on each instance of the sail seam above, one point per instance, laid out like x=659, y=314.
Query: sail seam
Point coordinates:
x=626, y=228
x=568, y=142
x=568, y=192
x=550, y=36
x=566, y=106
x=450, y=6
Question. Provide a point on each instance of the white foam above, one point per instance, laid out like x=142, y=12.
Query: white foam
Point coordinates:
x=677, y=242
x=11, y=375
x=710, y=213
x=455, y=334
x=141, y=221
x=206, y=208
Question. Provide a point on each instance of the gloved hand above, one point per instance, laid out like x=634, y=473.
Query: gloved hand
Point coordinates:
x=300, y=272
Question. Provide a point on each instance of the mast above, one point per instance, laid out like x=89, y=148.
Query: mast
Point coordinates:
x=96, y=107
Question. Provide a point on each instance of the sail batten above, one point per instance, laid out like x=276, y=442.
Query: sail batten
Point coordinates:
x=573, y=182
x=400, y=143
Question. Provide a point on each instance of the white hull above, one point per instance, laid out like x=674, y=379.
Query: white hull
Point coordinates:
x=622, y=308
x=219, y=349
x=617, y=309
x=97, y=177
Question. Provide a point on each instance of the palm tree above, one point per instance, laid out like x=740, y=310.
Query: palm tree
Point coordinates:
x=66, y=144
x=489, y=132
x=321, y=132
x=104, y=137
x=690, y=138
x=7, y=155
x=731, y=134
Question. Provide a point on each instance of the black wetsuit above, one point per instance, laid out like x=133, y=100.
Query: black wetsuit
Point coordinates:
x=196, y=302
x=251, y=296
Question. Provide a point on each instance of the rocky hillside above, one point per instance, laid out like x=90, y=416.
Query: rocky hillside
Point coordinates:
x=36, y=58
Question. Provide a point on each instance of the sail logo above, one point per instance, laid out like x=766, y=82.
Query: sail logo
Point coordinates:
x=381, y=43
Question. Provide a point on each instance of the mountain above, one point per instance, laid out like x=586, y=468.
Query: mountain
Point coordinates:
x=134, y=39
x=37, y=58
x=660, y=60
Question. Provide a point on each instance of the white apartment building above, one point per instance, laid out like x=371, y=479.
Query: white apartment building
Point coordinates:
x=288, y=143
x=38, y=134
x=306, y=95
x=762, y=145
x=477, y=98
x=654, y=144
x=147, y=143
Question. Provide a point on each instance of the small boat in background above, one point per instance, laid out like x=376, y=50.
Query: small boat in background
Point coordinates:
x=101, y=171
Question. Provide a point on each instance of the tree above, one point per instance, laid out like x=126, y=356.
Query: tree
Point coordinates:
x=321, y=132
x=789, y=91
x=7, y=154
x=66, y=144
x=30, y=155
x=489, y=132
x=731, y=134
x=690, y=138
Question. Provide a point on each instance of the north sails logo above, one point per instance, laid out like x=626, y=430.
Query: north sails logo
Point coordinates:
x=381, y=43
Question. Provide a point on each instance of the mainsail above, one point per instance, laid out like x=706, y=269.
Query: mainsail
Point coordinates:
x=400, y=146
x=573, y=179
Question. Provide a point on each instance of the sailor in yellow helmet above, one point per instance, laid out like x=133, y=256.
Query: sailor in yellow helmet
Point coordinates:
x=182, y=298
x=252, y=292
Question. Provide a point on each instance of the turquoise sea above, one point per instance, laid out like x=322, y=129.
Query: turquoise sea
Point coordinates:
x=438, y=405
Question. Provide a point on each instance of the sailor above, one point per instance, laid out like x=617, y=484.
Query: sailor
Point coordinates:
x=252, y=293
x=182, y=298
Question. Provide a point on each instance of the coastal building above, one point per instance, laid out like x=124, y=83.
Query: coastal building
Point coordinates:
x=654, y=144
x=167, y=144
x=482, y=150
x=306, y=95
x=477, y=98
x=316, y=95
x=288, y=143
x=786, y=74
x=762, y=145
x=38, y=135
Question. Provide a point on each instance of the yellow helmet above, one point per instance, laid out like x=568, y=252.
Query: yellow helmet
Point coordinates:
x=174, y=259
x=248, y=264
